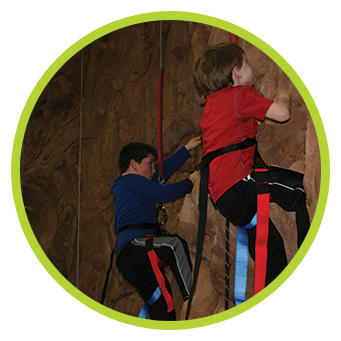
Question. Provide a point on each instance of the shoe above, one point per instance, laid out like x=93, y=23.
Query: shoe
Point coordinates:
x=309, y=276
x=281, y=315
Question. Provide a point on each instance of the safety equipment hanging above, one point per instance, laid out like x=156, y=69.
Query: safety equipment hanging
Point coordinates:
x=154, y=260
x=161, y=209
x=263, y=201
x=203, y=196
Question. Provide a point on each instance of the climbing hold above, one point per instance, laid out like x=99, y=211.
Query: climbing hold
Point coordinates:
x=202, y=101
x=104, y=194
x=117, y=84
x=113, y=115
x=123, y=125
x=102, y=112
x=179, y=50
x=183, y=88
x=135, y=77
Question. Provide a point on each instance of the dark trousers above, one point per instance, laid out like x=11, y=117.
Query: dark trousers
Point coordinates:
x=135, y=267
x=239, y=205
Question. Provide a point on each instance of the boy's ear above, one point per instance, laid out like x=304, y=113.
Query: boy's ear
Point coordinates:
x=133, y=164
x=236, y=72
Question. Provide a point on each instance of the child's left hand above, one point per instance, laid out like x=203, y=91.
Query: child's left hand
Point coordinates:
x=193, y=143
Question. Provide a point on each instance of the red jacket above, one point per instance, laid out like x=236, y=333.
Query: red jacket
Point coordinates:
x=231, y=116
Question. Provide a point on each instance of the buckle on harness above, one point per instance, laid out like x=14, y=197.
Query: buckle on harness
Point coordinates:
x=161, y=209
x=163, y=215
x=262, y=178
x=260, y=166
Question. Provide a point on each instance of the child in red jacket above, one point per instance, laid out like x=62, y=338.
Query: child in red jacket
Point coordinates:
x=232, y=113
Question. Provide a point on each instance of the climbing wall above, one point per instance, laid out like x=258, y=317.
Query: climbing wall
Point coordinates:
x=119, y=105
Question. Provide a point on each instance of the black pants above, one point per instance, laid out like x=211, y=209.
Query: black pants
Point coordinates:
x=135, y=267
x=239, y=205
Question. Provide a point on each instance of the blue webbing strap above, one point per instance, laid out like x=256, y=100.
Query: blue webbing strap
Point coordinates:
x=242, y=254
x=145, y=308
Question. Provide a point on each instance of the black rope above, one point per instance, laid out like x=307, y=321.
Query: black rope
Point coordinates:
x=201, y=231
x=107, y=278
x=227, y=265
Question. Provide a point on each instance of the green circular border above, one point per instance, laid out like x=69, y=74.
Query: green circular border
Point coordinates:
x=282, y=63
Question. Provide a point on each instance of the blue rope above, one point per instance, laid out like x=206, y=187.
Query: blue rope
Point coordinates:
x=145, y=309
x=242, y=254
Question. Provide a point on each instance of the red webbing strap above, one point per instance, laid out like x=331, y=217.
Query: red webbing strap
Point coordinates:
x=159, y=123
x=155, y=261
x=262, y=230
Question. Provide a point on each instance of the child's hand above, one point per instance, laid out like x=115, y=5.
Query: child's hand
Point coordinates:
x=193, y=143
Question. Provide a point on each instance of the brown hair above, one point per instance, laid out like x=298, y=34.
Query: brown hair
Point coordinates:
x=213, y=71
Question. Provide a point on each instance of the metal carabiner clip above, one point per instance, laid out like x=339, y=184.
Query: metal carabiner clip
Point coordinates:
x=163, y=215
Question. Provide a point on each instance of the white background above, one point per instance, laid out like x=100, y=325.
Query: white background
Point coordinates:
x=338, y=126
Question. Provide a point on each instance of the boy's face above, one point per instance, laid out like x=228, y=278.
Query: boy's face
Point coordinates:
x=146, y=167
x=246, y=76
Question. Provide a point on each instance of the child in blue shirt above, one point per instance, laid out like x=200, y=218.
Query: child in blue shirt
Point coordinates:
x=136, y=216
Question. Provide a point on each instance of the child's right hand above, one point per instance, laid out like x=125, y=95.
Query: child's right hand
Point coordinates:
x=193, y=143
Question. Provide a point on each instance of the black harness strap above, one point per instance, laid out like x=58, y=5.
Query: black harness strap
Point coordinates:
x=104, y=292
x=203, y=197
x=227, y=264
x=203, y=193
x=143, y=226
x=237, y=146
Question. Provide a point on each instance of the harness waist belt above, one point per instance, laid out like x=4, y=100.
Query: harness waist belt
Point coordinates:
x=143, y=226
x=234, y=147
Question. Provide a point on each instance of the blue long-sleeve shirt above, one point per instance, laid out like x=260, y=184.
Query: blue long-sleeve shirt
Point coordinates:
x=135, y=197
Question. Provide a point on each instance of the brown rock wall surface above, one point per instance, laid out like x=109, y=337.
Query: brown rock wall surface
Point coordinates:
x=119, y=105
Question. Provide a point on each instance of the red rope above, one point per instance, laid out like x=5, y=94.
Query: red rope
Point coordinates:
x=262, y=233
x=159, y=124
x=234, y=39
